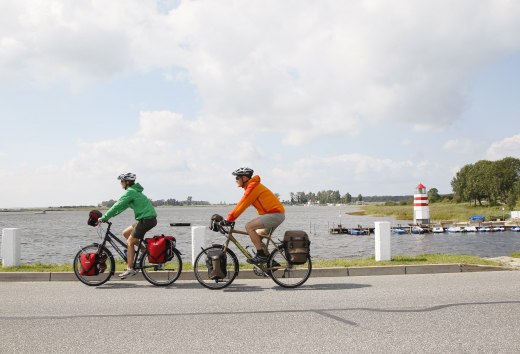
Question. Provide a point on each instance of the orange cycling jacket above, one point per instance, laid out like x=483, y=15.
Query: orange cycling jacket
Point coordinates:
x=260, y=196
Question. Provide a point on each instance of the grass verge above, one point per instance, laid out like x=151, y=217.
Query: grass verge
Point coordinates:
x=438, y=211
x=330, y=263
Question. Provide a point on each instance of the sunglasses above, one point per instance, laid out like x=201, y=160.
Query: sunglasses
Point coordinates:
x=237, y=178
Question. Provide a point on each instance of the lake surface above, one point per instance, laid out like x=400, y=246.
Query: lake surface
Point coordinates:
x=56, y=236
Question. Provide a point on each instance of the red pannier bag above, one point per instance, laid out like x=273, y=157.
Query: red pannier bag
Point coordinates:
x=89, y=264
x=160, y=248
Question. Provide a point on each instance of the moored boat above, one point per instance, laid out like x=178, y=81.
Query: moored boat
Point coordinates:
x=438, y=230
x=454, y=229
x=399, y=231
x=470, y=229
x=417, y=230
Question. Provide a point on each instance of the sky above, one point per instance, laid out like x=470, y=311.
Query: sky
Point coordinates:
x=364, y=97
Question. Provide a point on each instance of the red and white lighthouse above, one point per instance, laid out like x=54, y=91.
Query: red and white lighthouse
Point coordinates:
x=421, y=210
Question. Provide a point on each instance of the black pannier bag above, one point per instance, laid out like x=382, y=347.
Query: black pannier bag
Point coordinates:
x=297, y=246
x=216, y=262
x=215, y=221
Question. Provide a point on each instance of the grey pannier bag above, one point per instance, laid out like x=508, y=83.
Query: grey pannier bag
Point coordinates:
x=216, y=261
x=297, y=246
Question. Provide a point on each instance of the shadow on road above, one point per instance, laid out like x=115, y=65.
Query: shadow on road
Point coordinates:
x=337, y=286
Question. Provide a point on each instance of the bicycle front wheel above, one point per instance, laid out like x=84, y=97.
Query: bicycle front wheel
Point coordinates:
x=286, y=274
x=204, y=274
x=162, y=274
x=99, y=273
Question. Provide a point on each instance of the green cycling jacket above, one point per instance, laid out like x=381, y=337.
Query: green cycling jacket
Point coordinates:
x=134, y=199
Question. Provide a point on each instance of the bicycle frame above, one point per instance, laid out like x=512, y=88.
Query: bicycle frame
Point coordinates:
x=230, y=238
x=113, y=240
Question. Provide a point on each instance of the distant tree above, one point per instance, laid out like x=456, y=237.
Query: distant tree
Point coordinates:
x=359, y=198
x=433, y=195
x=108, y=203
x=494, y=181
x=347, y=198
x=301, y=198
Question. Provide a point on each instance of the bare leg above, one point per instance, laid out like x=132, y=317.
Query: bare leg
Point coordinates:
x=251, y=228
x=128, y=231
x=130, y=247
x=132, y=242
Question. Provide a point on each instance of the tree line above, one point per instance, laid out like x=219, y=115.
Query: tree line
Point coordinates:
x=497, y=182
x=163, y=202
x=335, y=197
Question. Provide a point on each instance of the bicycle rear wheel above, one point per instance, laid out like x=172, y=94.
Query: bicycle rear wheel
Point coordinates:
x=202, y=273
x=162, y=274
x=101, y=272
x=286, y=274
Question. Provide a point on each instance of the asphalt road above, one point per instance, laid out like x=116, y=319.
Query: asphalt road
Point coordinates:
x=428, y=313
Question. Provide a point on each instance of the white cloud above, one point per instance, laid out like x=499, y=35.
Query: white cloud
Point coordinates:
x=291, y=71
x=353, y=173
x=172, y=165
x=508, y=147
x=297, y=67
x=459, y=146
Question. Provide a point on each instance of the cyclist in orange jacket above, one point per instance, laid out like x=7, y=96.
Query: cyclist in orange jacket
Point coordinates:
x=272, y=212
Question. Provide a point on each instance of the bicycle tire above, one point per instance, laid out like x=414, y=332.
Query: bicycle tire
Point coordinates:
x=286, y=274
x=201, y=270
x=162, y=274
x=104, y=275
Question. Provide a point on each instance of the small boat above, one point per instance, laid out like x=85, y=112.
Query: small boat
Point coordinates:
x=416, y=230
x=498, y=229
x=438, y=230
x=454, y=229
x=399, y=231
x=470, y=229
x=180, y=224
x=484, y=229
x=515, y=228
x=356, y=232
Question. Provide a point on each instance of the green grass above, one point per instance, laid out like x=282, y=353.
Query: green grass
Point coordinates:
x=405, y=260
x=331, y=263
x=39, y=267
x=516, y=255
x=438, y=211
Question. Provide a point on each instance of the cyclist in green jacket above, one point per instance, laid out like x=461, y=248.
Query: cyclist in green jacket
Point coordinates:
x=144, y=212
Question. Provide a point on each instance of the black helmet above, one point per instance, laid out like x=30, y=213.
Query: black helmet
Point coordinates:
x=243, y=171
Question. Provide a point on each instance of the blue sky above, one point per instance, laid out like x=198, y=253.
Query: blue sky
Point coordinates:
x=365, y=97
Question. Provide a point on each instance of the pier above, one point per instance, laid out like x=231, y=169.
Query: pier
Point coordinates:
x=437, y=227
x=357, y=231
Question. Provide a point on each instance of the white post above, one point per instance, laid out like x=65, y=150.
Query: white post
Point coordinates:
x=198, y=241
x=11, y=247
x=383, y=244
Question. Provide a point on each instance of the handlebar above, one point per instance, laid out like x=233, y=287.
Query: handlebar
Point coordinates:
x=224, y=226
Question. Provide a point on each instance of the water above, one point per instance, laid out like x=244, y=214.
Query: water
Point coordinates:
x=55, y=237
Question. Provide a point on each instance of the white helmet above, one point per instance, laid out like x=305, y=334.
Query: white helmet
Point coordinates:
x=127, y=177
x=243, y=171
